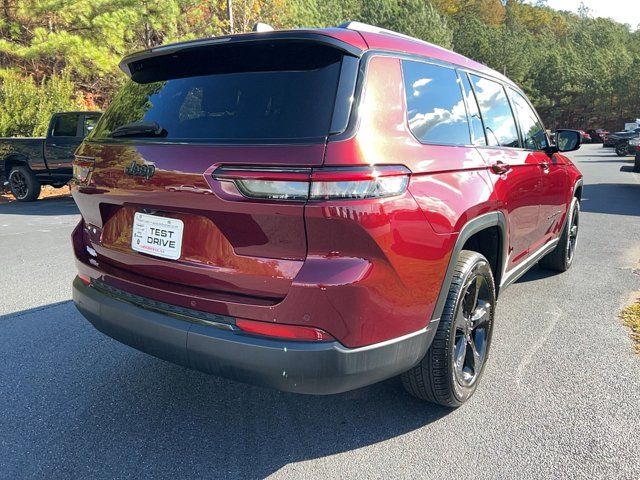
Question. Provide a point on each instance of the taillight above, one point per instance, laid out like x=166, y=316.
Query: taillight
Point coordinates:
x=82, y=168
x=284, y=331
x=86, y=279
x=301, y=184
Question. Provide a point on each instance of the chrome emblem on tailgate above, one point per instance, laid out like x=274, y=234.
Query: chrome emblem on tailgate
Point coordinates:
x=135, y=170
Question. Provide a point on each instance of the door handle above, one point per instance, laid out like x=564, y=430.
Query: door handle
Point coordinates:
x=500, y=167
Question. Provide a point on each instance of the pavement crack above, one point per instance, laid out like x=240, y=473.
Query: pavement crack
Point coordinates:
x=537, y=345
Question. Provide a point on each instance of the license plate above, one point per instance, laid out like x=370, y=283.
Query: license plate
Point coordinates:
x=158, y=236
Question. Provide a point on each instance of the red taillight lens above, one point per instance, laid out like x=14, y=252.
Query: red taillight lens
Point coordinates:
x=84, y=279
x=284, y=331
x=302, y=184
x=82, y=168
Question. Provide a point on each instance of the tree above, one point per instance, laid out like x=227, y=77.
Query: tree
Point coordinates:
x=579, y=71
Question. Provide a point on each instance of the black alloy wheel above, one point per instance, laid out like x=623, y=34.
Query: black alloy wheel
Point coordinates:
x=561, y=257
x=450, y=371
x=23, y=184
x=572, y=234
x=18, y=185
x=471, y=335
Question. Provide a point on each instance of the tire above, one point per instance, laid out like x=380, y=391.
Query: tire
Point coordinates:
x=437, y=378
x=636, y=163
x=622, y=149
x=23, y=184
x=561, y=258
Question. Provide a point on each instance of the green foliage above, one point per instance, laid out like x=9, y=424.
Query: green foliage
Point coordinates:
x=26, y=106
x=416, y=18
x=55, y=54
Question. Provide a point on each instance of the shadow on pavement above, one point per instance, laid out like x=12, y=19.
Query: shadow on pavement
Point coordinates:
x=611, y=198
x=42, y=207
x=536, y=273
x=617, y=160
x=607, y=153
x=80, y=405
x=31, y=311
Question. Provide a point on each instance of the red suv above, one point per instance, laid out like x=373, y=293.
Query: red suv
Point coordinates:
x=317, y=210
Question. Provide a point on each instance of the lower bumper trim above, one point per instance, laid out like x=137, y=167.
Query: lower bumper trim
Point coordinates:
x=293, y=366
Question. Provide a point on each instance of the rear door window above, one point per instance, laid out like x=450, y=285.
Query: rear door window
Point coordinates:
x=499, y=124
x=231, y=93
x=65, y=125
x=435, y=106
x=533, y=134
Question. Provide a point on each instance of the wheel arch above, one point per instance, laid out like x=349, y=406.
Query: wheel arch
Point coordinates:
x=13, y=160
x=577, y=189
x=492, y=226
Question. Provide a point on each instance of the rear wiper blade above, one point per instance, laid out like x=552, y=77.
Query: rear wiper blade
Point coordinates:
x=139, y=129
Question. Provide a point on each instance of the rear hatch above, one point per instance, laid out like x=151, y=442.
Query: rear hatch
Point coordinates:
x=152, y=194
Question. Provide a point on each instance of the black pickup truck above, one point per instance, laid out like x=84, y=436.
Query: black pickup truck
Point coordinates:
x=28, y=163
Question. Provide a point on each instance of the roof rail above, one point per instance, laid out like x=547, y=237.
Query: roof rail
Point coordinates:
x=365, y=27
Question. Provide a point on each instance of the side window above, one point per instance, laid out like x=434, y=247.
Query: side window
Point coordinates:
x=435, y=107
x=66, y=125
x=499, y=123
x=475, y=120
x=534, y=136
x=89, y=124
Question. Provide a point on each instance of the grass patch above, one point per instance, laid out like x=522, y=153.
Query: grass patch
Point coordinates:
x=631, y=318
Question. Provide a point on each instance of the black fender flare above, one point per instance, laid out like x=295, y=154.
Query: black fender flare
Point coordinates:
x=473, y=226
x=11, y=160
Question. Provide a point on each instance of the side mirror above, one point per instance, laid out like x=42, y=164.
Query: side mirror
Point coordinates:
x=567, y=140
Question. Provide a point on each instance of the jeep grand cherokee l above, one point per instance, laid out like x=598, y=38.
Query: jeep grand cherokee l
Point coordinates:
x=317, y=210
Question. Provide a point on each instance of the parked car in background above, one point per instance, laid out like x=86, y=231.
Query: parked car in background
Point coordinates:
x=370, y=197
x=636, y=163
x=597, y=135
x=586, y=138
x=631, y=147
x=28, y=163
x=627, y=147
x=614, y=138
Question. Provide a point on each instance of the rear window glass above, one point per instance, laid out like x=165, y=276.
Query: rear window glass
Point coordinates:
x=230, y=93
x=435, y=107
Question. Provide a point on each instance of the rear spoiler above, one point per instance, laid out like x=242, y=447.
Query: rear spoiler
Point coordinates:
x=164, y=50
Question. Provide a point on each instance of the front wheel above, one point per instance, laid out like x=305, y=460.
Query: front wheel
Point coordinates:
x=23, y=184
x=622, y=149
x=561, y=257
x=450, y=371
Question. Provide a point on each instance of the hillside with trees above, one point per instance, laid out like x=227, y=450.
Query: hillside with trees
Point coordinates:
x=63, y=54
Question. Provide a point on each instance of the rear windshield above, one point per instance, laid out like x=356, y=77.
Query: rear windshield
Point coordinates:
x=265, y=91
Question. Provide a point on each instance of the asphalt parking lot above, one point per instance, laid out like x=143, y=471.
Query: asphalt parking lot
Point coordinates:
x=560, y=397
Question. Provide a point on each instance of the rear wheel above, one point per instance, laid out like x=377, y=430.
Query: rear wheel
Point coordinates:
x=23, y=184
x=451, y=369
x=561, y=258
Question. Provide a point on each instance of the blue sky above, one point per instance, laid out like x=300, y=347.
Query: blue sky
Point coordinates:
x=623, y=11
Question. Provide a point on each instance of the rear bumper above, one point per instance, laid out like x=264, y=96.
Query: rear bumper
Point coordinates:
x=301, y=367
